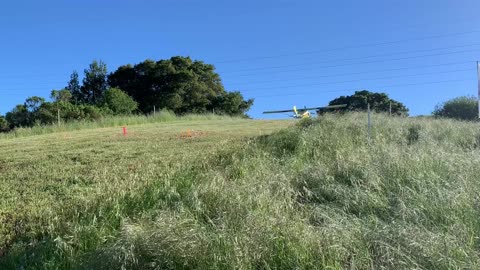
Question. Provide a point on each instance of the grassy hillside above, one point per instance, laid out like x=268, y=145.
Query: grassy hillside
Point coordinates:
x=65, y=193
x=312, y=196
x=110, y=121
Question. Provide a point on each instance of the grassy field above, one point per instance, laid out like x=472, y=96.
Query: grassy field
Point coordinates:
x=109, y=121
x=73, y=189
x=244, y=194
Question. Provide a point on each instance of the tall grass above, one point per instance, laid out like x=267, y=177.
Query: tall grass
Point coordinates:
x=314, y=196
x=110, y=121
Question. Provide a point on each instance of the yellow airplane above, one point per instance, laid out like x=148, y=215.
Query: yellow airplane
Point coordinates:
x=305, y=112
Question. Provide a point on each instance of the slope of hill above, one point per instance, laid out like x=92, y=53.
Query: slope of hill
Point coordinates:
x=73, y=189
x=110, y=121
x=314, y=196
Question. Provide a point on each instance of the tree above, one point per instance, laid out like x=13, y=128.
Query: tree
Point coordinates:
x=379, y=102
x=119, y=102
x=18, y=117
x=461, y=108
x=178, y=84
x=33, y=111
x=3, y=124
x=63, y=95
x=94, y=83
x=231, y=103
x=47, y=113
x=32, y=104
x=61, y=100
x=75, y=88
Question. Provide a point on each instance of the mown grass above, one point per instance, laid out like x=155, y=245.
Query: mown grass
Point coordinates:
x=313, y=196
x=111, y=121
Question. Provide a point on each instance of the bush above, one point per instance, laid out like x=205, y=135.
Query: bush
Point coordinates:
x=379, y=102
x=119, y=102
x=460, y=108
x=305, y=122
x=413, y=134
x=3, y=124
x=91, y=112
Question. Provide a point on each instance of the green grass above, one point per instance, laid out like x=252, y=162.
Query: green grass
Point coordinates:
x=110, y=121
x=245, y=194
x=83, y=183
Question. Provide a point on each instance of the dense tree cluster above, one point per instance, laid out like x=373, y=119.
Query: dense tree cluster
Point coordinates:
x=379, y=102
x=177, y=84
x=37, y=111
x=460, y=108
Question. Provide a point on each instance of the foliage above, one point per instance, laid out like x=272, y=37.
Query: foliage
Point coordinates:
x=32, y=104
x=3, y=124
x=94, y=83
x=305, y=122
x=413, y=134
x=36, y=111
x=26, y=114
x=379, y=102
x=18, y=117
x=178, y=84
x=231, y=103
x=70, y=112
x=63, y=95
x=119, y=102
x=460, y=108
x=75, y=89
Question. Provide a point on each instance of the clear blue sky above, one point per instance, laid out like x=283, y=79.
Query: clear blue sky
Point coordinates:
x=282, y=53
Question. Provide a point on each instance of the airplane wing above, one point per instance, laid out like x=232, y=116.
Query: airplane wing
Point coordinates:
x=310, y=109
x=324, y=108
x=284, y=111
x=329, y=107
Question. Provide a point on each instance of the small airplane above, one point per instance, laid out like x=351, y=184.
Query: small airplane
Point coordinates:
x=305, y=112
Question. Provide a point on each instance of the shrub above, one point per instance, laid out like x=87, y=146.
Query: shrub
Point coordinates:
x=413, y=134
x=379, y=102
x=119, y=102
x=460, y=108
x=305, y=122
x=3, y=124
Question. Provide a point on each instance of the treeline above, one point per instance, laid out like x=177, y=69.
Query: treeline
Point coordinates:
x=378, y=102
x=464, y=108
x=178, y=84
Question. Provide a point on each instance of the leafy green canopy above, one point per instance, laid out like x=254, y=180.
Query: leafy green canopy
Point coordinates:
x=94, y=83
x=75, y=89
x=3, y=123
x=379, y=102
x=36, y=111
x=461, y=108
x=178, y=84
x=119, y=102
